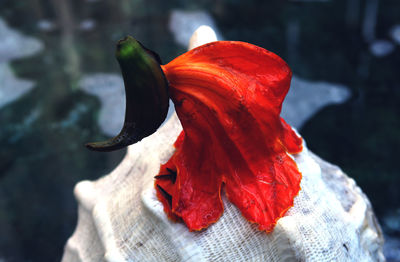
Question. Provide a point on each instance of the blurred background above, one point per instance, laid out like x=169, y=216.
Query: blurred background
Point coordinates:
x=60, y=87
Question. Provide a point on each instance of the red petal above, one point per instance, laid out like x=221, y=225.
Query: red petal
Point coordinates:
x=228, y=96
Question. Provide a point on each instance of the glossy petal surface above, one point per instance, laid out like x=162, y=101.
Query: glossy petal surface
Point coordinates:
x=228, y=97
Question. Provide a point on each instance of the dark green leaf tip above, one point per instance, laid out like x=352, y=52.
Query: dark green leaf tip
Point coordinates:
x=146, y=91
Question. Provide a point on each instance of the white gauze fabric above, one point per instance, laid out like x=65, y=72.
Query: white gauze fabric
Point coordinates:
x=121, y=219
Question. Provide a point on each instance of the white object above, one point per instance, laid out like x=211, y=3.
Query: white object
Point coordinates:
x=14, y=45
x=305, y=98
x=381, y=48
x=182, y=24
x=109, y=88
x=120, y=218
x=395, y=33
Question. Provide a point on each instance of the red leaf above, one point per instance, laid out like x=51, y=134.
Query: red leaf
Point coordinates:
x=228, y=97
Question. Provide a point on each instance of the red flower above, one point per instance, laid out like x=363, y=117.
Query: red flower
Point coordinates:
x=228, y=97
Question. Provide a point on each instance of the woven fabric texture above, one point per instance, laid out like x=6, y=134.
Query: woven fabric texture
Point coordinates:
x=120, y=218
